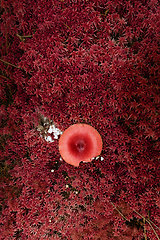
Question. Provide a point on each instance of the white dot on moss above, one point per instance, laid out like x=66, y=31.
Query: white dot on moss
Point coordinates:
x=49, y=139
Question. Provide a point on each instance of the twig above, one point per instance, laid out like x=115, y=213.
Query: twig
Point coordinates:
x=66, y=25
x=145, y=236
x=25, y=36
x=144, y=220
x=10, y=64
x=22, y=37
x=153, y=230
x=149, y=222
x=153, y=224
x=119, y=212
x=4, y=77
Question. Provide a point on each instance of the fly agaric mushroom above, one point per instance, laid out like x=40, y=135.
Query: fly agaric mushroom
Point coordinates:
x=80, y=142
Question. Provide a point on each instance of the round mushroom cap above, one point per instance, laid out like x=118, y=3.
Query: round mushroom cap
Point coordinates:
x=80, y=142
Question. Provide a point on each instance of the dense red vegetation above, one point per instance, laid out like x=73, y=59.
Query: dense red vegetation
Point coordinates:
x=95, y=62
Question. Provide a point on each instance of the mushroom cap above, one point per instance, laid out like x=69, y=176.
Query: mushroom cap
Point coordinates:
x=80, y=142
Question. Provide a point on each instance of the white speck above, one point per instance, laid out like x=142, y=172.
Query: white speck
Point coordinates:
x=52, y=170
x=67, y=186
x=76, y=192
x=97, y=157
x=48, y=139
x=45, y=119
x=55, y=131
x=52, y=129
x=50, y=220
x=102, y=158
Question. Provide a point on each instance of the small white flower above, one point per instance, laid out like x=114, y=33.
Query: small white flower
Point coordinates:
x=55, y=131
x=50, y=130
x=48, y=139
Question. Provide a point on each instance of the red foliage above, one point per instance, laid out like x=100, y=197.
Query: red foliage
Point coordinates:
x=94, y=62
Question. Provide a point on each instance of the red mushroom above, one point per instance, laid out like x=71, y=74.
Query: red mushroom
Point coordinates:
x=80, y=142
